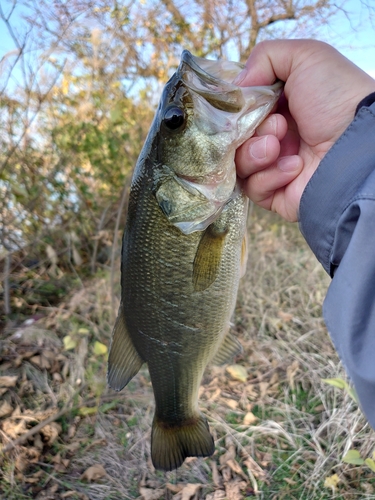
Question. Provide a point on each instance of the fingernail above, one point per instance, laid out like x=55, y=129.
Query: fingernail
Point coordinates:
x=258, y=149
x=273, y=122
x=240, y=77
x=289, y=163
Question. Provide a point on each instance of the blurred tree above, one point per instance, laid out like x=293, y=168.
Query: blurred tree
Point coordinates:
x=77, y=91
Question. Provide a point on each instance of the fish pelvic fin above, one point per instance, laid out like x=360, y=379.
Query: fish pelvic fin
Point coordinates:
x=171, y=444
x=208, y=258
x=229, y=348
x=123, y=361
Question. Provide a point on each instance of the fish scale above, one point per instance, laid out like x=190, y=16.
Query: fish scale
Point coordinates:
x=183, y=251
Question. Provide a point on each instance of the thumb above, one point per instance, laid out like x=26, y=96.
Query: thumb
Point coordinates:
x=277, y=59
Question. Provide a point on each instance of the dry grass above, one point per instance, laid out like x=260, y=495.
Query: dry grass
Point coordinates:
x=280, y=434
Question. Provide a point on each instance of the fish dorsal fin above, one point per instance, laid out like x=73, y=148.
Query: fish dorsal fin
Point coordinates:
x=208, y=258
x=123, y=362
x=244, y=255
x=229, y=348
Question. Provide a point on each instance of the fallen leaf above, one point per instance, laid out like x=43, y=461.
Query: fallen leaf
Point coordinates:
x=233, y=490
x=190, y=490
x=216, y=478
x=27, y=455
x=253, y=468
x=48, y=493
x=236, y=468
x=232, y=403
x=319, y=408
x=263, y=387
x=285, y=316
x=174, y=488
x=353, y=457
x=73, y=447
x=84, y=411
x=238, y=372
x=41, y=361
x=332, y=482
x=251, y=391
x=250, y=418
x=290, y=481
x=100, y=349
x=218, y=495
x=69, y=342
x=226, y=472
x=215, y=395
x=50, y=432
x=13, y=430
x=149, y=494
x=5, y=409
x=75, y=494
x=8, y=380
x=93, y=473
x=230, y=454
x=35, y=478
x=38, y=443
x=370, y=463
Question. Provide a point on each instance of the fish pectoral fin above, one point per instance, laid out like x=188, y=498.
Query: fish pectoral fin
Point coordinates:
x=244, y=255
x=229, y=348
x=208, y=258
x=171, y=444
x=123, y=362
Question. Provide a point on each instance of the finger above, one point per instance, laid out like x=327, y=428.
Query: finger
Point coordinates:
x=255, y=154
x=274, y=124
x=261, y=186
x=290, y=144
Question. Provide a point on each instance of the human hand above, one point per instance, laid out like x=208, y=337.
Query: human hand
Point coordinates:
x=322, y=90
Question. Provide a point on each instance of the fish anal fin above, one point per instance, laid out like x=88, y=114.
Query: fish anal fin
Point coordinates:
x=123, y=361
x=229, y=348
x=208, y=258
x=171, y=444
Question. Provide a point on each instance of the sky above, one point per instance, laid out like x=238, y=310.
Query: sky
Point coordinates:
x=355, y=38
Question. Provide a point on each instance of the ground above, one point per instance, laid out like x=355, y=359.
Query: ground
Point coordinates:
x=281, y=430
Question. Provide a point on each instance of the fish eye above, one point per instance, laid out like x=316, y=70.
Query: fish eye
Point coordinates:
x=174, y=118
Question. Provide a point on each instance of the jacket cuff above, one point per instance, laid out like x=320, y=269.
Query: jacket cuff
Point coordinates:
x=335, y=183
x=366, y=102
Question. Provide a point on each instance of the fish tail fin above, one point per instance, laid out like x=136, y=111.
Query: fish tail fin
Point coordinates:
x=170, y=445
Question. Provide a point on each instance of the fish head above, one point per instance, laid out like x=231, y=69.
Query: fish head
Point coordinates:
x=202, y=118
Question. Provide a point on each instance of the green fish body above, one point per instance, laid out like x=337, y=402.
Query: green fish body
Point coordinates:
x=184, y=249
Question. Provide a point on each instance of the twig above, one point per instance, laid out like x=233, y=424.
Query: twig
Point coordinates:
x=96, y=244
x=37, y=428
x=6, y=287
x=56, y=416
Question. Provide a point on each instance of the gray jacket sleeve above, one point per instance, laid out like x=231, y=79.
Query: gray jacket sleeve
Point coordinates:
x=337, y=219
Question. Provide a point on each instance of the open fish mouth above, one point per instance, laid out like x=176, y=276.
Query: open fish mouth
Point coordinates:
x=221, y=116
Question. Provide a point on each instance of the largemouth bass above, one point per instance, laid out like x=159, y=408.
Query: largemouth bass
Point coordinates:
x=183, y=249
